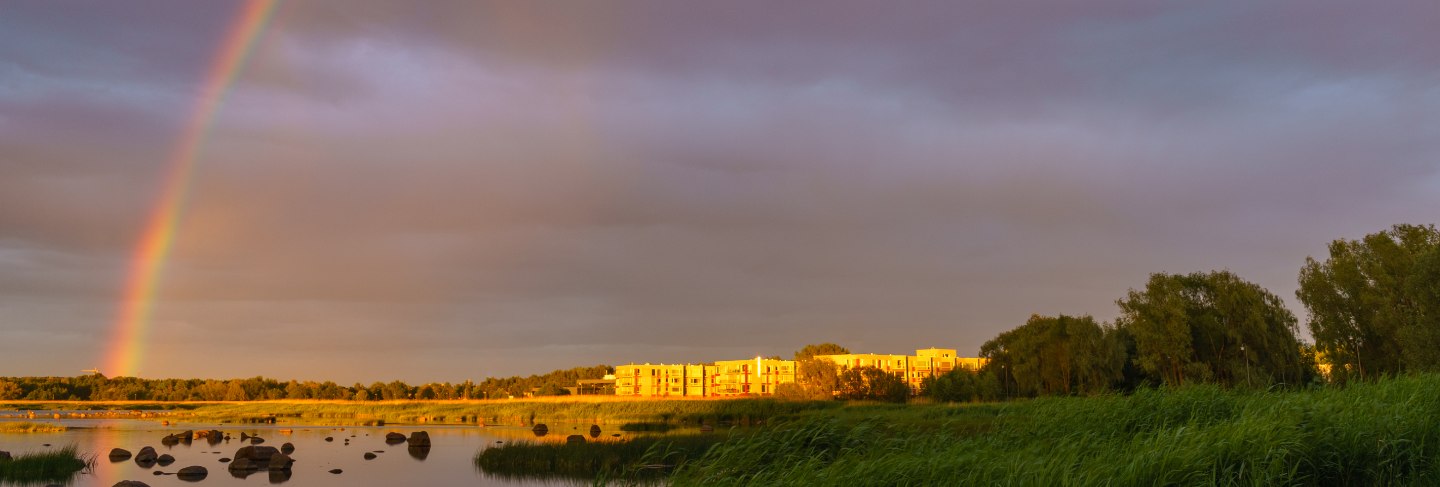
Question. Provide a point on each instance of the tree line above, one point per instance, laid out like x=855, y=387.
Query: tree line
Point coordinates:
x=97, y=387
x=1374, y=311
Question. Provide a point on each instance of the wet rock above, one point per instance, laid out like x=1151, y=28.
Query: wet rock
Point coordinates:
x=419, y=439
x=594, y=431
x=224, y=460
x=418, y=452
x=540, y=429
x=170, y=440
x=329, y=438
x=287, y=448
x=280, y=461
x=257, y=454
x=336, y=470
x=192, y=473
x=119, y=455
x=131, y=483
x=393, y=437
x=256, y=440
x=242, y=464
x=146, y=455
x=165, y=460
x=244, y=436
x=369, y=456
x=186, y=436
x=575, y=439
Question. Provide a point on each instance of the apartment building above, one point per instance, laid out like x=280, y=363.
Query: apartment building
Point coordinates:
x=760, y=376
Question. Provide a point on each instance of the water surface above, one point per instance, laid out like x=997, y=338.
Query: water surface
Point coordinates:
x=449, y=461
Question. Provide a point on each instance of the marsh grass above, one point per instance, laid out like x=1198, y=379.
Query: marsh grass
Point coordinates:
x=1385, y=433
x=635, y=459
x=29, y=427
x=50, y=466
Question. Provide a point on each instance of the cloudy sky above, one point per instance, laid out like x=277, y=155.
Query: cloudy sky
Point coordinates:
x=434, y=191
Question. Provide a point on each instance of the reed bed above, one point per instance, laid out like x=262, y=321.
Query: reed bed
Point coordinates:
x=29, y=427
x=639, y=458
x=1385, y=433
x=50, y=466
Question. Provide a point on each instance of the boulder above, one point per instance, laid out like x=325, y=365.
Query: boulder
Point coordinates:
x=336, y=470
x=186, y=435
x=192, y=473
x=165, y=460
x=244, y=436
x=257, y=454
x=540, y=429
x=287, y=448
x=119, y=455
x=280, y=461
x=256, y=440
x=369, y=455
x=329, y=438
x=575, y=439
x=131, y=483
x=146, y=455
x=418, y=452
x=419, y=439
x=393, y=437
x=594, y=431
x=242, y=464
x=170, y=440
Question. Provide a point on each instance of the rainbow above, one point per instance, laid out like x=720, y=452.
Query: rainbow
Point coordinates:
x=127, y=344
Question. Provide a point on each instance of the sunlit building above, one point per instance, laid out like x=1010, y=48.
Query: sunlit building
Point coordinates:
x=761, y=376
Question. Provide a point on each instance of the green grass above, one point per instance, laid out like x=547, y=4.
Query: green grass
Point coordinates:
x=51, y=466
x=635, y=459
x=1385, y=433
x=28, y=427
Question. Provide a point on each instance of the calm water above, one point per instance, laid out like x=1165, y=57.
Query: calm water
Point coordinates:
x=450, y=460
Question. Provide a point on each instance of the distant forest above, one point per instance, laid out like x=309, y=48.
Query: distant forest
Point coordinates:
x=1373, y=303
x=97, y=387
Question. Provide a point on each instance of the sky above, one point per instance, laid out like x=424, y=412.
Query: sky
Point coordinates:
x=442, y=191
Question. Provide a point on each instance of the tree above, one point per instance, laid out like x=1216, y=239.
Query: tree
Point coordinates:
x=818, y=378
x=1373, y=302
x=820, y=349
x=870, y=383
x=1059, y=355
x=958, y=385
x=1212, y=327
x=10, y=390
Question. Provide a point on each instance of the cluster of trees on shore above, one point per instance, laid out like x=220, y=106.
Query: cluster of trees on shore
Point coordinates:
x=96, y=387
x=1374, y=310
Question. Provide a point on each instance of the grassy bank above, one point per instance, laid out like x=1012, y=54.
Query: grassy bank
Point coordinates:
x=1386, y=433
x=516, y=412
x=52, y=466
x=28, y=427
x=639, y=458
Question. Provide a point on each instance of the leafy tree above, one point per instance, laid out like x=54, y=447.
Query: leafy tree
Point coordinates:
x=1373, y=302
x=818, y=378
x=1212, y=327
x=958, y=385
x=820, y=349
x=10, y=390
x=1060, y=355
x=873, y=384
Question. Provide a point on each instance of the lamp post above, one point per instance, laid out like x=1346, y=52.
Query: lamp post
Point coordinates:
x=1247, y=365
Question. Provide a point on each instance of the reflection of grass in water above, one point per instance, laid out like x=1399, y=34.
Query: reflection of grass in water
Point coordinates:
x=639, y=458
x=28, y=427
x=51, y=466
x=651, y=427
